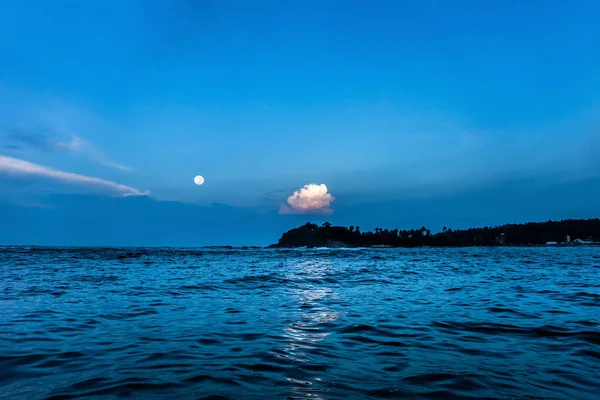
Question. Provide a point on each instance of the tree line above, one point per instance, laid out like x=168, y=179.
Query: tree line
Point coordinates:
x=531, y=233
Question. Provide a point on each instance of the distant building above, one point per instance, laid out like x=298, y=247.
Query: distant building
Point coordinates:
x=568, y=238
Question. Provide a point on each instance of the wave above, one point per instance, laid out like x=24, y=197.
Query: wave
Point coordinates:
x=299, y=323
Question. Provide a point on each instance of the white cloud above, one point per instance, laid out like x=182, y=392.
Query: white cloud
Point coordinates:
x=80, y=146
x=311, y=199
x=16, y=166
x=75, y=146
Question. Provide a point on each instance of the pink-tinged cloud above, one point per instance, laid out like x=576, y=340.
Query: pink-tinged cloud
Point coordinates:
x=310, y=199
x=21, y=167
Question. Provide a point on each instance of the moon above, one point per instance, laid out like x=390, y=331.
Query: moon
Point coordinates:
x=199, y=180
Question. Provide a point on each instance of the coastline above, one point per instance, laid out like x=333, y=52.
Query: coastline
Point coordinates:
x=551, y=233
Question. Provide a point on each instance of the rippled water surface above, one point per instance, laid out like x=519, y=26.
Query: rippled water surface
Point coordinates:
x=310, y=324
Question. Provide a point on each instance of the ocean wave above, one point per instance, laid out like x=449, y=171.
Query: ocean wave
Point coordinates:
x=334, y=323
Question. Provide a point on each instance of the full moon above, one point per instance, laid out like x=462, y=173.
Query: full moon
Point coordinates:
x=199, y=180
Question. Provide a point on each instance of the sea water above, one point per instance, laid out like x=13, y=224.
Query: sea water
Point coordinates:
x=306, y=324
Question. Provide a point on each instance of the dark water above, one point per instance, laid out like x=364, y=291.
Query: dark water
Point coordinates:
x=309, y=324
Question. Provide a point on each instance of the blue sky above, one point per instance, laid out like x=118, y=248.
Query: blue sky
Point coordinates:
x=392, y=105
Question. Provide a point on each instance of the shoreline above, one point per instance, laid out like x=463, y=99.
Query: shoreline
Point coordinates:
x=552, y=233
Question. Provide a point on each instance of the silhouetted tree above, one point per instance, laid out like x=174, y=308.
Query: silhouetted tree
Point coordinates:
x=514, y=234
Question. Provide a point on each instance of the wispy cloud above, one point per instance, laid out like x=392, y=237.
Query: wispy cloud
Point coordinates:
x=30, y=140
x=17, y=166
x=310, y=199
x=75, y=145
x=11, y=147
x=79, y=146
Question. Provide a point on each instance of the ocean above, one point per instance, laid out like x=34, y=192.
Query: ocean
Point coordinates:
x=213, y=323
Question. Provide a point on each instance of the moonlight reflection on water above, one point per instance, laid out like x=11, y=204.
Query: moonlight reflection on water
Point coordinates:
x=308, y=323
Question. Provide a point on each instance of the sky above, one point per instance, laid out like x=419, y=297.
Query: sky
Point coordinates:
x=371, y=113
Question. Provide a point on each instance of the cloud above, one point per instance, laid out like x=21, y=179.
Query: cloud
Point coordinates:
x=75, y=146
x=79, y=146
x=11, y=147
x=311, y=199
x=21, y=167
x=34, y=141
